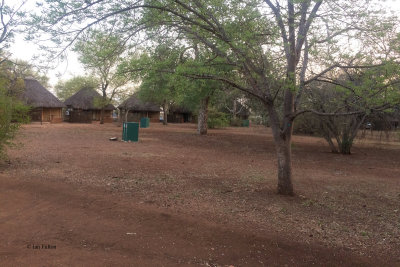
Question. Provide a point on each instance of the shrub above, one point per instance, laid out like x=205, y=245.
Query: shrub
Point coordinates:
x=236, y=122
x=12, y=114
x=217, y=119
x=308, y=124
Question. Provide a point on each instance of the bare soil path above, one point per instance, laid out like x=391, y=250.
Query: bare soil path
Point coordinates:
x=178, y=199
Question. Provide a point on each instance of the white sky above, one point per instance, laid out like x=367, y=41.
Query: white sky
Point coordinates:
x=24, y=50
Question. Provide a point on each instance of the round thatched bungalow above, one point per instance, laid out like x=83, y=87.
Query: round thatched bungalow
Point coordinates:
x=179, y=114
x=45, y=106
x=133, y=109
x=84, y=106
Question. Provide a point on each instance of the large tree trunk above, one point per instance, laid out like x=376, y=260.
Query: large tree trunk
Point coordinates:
x=345, y=146
x=283, y=132
x=102, y=115
x=331, y=144
x=285, y=186
x=283, y=141
x=103, y=104
x=165, y=111
x=203, y=116
x=327, y=133
x=234, y=109
x=348, y=135
x=126, y=115
x=346, y=142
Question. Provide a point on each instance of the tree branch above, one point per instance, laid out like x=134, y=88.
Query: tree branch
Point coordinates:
x=303, y=30
x=279, y=20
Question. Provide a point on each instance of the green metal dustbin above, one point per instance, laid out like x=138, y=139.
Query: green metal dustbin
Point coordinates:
x=144, y=123
x=245, y=123
x=130, y=131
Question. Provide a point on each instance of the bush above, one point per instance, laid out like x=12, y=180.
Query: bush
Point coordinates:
x=12, y=114
x=308, y=124
x=217, y=119
x=236, y=122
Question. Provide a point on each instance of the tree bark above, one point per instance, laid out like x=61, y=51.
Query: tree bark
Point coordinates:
x=345, y=149
x=126, y=115
x=328, y=134
x=283, y=132
x=102, y=115
x=165, y=111
x=285, y=186
x=348, y=135
x=283, y=141
x=331, y=144
x=104, y=101
x=234, y=109
x=203, y=116
x=345, y=145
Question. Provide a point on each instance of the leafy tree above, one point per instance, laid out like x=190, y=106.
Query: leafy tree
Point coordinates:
x=198, y=93
x=358, y=94
x=233, y=102
x=101, y=52
x=23, y=69
x=154, y=70
x=269, y=45
x=12, y=115
x=65, y=89
x=163, y=73
x=217, y=119
x=12, y=111
x=12, y=17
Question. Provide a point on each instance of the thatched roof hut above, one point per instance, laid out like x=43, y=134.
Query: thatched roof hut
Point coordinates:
x=83, y=107
x=133, y=109
x=85, y=99
x=37, y=96
x=179, y=114
x=45, y=106
x=179, y=109
x=134, y=103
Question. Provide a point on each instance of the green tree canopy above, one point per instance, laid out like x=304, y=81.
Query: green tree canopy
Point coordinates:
x=101, y=52
x=12, y=111
x=65, y=89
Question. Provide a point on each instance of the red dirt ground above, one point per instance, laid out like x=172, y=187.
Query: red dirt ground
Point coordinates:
x=178, y=199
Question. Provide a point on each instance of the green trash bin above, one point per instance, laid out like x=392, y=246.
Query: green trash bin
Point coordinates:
x=144, y=123
x=245, y=123
x=130, y=131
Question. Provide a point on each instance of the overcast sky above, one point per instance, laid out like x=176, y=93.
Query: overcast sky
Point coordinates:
x=24, y=50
